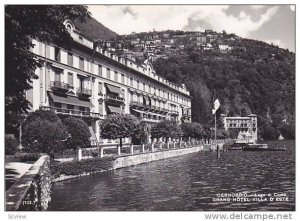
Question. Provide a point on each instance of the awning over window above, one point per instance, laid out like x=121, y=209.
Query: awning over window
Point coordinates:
x=160, y=115
x=116, y=110
x=113, y=89
x=138, y=111
x=70, y=100
x=130, y=89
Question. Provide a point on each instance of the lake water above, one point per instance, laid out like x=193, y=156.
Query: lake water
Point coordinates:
x=192, y=182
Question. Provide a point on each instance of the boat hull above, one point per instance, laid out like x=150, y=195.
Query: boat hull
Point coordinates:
x=235, y=148
x=263, y=149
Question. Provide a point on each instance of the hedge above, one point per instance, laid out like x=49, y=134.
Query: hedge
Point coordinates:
x=83, y=166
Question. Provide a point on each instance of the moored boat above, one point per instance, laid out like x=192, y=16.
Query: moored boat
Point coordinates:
x=237, y=146
x=261, y=147
x=256, y=147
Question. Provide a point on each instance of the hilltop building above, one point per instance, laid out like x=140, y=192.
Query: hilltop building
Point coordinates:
x=90, y=82
x=247, y=127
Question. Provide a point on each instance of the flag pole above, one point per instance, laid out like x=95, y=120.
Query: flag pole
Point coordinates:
x=215, y=127
x=217, y=146
x=216, y=107
x=218, y=149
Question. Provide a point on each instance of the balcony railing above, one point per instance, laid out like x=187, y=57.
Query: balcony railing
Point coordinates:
x=136, y=103
x=146, y=119
x=160, y=109
x=113, y=97
x=173, y=112
x=59, y=86
x=139, y=105
x=72, y=112
x=84, y=92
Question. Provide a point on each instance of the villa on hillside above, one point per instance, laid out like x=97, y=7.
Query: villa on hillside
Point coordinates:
x=247, y=127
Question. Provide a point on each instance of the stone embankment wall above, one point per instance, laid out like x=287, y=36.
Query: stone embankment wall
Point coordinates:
x=32, y=191
x=126, y=161
x=130, y=160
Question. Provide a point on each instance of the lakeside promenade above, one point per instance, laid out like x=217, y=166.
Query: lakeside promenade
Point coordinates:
x=21, y=190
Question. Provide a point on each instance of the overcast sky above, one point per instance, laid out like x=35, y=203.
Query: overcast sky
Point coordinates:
x=269, y=23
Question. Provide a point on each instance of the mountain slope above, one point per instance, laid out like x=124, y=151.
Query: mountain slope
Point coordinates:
x=248, y=77
x=94, y=29
x=258, y=79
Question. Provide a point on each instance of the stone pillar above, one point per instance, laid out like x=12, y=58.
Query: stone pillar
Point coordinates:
x=168, y=144
x=79, y=154
x=143, y=148
x=101, y=152
x=119, y=150
x=131, y=149
x=152, y=147
x=174, y=143
x=97, y=130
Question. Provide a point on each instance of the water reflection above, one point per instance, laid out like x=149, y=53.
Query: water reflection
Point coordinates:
x=187, y=182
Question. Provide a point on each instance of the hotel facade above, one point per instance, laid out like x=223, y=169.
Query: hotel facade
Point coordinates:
x=247, y=127
x=89, y=82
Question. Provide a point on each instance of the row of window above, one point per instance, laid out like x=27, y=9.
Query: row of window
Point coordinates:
x=71, y=107
x=240, y=125
x=114, y=75
x=238, y=121
x=149, y=116
x=58, y=77
x=132, y=97
x=70, y=60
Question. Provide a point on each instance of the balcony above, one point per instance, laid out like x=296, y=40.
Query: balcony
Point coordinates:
x=149, y=120
x=173, y=112
x=114, y=98
x=156, y=109
x=154, y=119
x=82, y=92
x=59, y=86
x=72, y=112
x=161, y=110
x=139, y=105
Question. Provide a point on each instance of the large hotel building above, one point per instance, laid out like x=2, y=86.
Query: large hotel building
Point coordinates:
x=89, y=82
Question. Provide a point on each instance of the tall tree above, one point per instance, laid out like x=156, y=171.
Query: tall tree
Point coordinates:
x=166, y=129
x=118, y=126
x=78, y=131
x=43, y=132
x=22, y=24
x=192, y=130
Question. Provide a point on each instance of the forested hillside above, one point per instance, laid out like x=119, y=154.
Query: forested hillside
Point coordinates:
x=247, y=76
x=254, y=77
x=94, y=29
